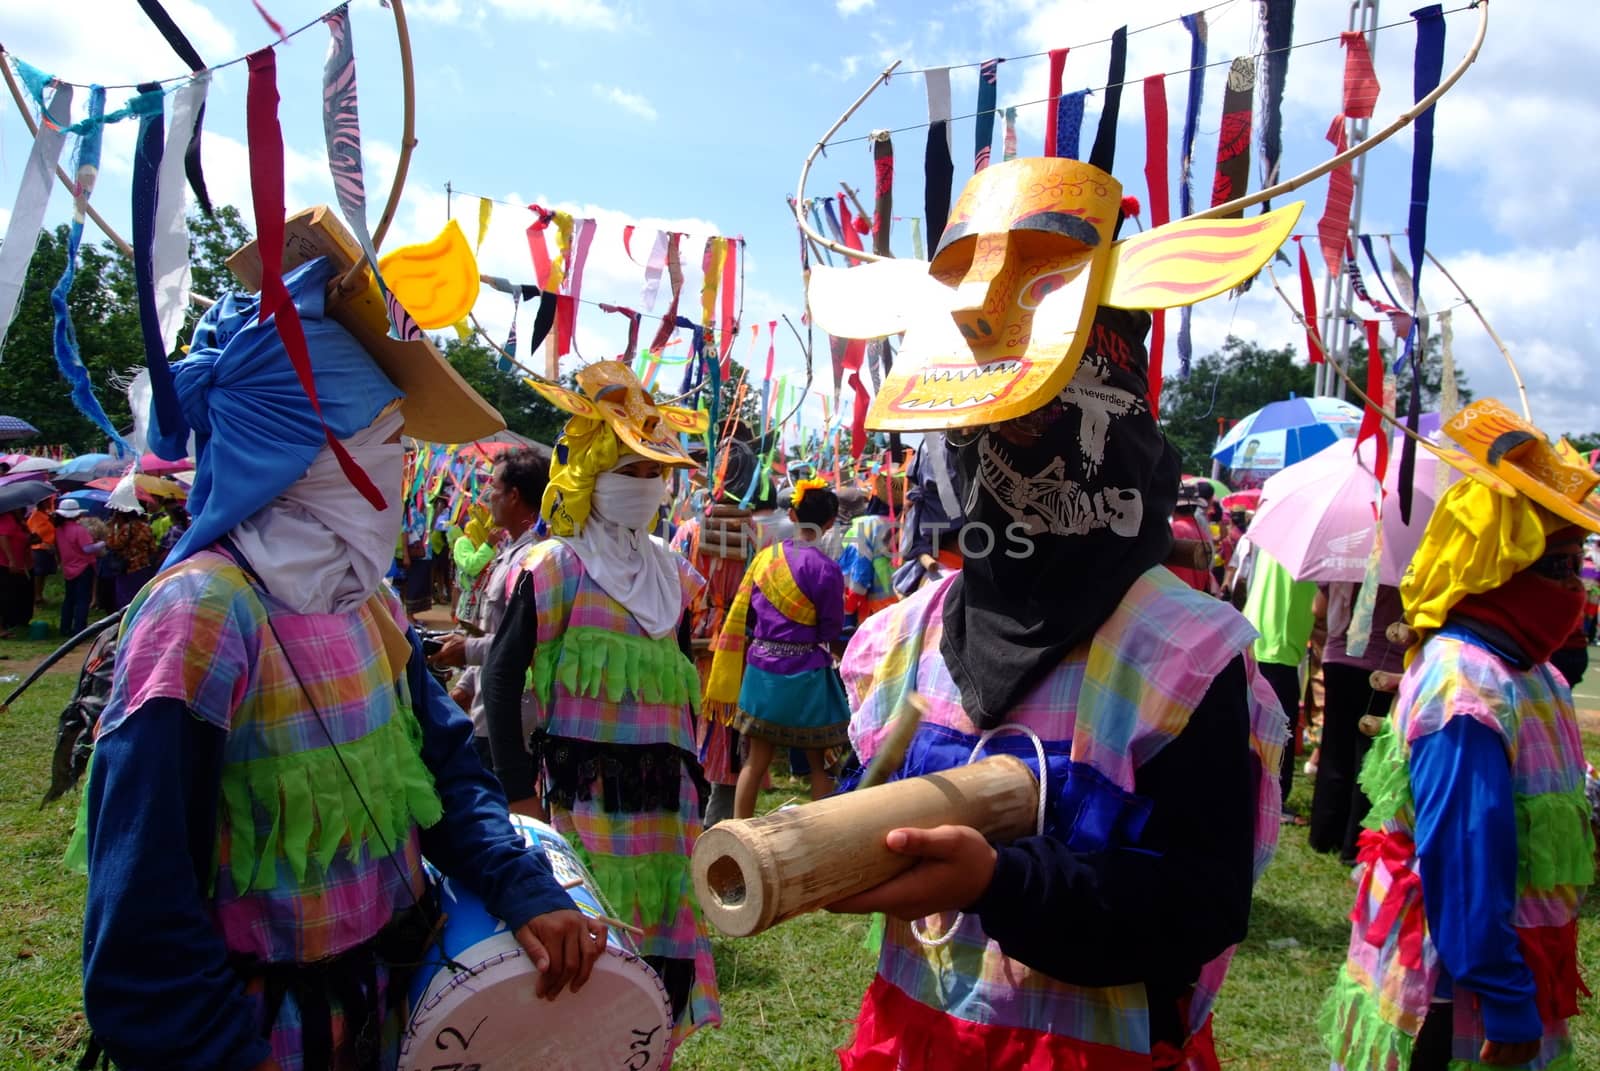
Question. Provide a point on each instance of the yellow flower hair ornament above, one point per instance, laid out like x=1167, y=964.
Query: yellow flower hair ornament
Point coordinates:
x=804, y=486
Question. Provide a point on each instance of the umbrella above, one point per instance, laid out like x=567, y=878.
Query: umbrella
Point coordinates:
x=35, y=464
x=149, y=488
x=151, y=465
x=16, y=495
x=23, y=477
x=487, y=452
x=1282, y=433
x=16, y=428
x=1216, y=485
x=1316, y=517
x=1249, y=500
x=86, y=467
x=92, y=500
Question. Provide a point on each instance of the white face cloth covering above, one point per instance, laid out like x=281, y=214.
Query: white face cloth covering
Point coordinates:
x=620, y=555
x=320, y=548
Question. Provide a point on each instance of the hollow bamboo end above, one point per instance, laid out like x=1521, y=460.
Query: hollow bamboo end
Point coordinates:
x=727, y=882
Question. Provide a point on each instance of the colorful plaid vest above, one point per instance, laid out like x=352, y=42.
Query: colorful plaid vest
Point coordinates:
x=303, y=870
x=1380, y=1000
x=1109, y=708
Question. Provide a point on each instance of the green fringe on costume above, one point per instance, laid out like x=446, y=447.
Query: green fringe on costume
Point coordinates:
x=873, y=942
x=1357, y=1035
x=1556, y=841
x=314, y=806
x=653, y=885
x=594, y=662
x=77, y=857
x=1385, y=778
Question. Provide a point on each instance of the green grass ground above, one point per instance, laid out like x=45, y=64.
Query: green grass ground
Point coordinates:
x=788, y=995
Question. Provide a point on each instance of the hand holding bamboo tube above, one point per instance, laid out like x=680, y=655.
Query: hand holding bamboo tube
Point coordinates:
x=750, y=875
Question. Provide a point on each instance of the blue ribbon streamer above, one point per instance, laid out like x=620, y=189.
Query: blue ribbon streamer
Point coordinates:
x=1196, y=25
x=1069, y=124
x=65, y=336
x=147, y=155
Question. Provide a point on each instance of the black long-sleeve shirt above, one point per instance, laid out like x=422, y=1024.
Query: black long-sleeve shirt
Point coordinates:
x=1159, y=912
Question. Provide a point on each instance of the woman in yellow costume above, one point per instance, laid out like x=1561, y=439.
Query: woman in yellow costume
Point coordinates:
x=599, y=616
x=786, y=687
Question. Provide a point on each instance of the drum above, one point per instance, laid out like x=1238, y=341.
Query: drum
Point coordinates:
x=488, y=1015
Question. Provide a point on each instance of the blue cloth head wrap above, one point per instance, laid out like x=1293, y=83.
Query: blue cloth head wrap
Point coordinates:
x=254, y=429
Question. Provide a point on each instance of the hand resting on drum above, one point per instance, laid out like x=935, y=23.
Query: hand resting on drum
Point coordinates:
x=564, y=946
x=954, y=867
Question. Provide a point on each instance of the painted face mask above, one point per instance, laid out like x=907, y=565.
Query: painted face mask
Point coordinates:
x=996, y=325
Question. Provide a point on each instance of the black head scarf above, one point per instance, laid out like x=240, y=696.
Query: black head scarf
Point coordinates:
x=1077, y=495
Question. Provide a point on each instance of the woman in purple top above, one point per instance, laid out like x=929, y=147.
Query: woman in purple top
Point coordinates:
x=791, y=695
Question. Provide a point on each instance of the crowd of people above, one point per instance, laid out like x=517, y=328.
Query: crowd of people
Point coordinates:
x=640, y=631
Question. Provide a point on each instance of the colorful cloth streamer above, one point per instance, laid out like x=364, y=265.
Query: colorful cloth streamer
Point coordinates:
x=1360, y=78
x=33, y=197
x=1009, y=152
x=1277, y=17
x=169, y=259
x=847, y=224
x=1104, y=153
x=652, y=271
x=265, y=139
x=485, y=213
x=1069, y=123
x=988, y=89
x=1052, y=129
x=1196, y=25
x=341, y=127
x=544, y=319
x=503, y=361
x=633, y=328
x=180, y=44
x=711, y=261
x=1359, y=284
x=1399, y=317
x=728, y=326
x=834, y=226
x=1333, y=229
x=669, y=322
x=1155, y=175
x=882, y=191
x=1308, y=300
x=1233, y=139
x=939, y=167
x=816, y=223
x=147, y=160
x=1371, y=421
x=87, y=168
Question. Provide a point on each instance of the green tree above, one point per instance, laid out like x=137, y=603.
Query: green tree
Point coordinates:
x=211, y=242
x=525, y=411
x=1432, y=376
x=106, y=321
x=1224, y=387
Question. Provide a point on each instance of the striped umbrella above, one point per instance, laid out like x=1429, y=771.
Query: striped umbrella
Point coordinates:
x=1282, y=433
x=16, y=428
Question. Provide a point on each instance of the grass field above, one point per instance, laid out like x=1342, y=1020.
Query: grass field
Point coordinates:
x=788, y=995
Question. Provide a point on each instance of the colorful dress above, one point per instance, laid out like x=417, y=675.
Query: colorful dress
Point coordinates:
x=472, y=577
x=790, y=605
x=1105, y=714
x=1461, y=705
x=226, y=840
x=868, y=566
x=722, y=561
x=614, y=755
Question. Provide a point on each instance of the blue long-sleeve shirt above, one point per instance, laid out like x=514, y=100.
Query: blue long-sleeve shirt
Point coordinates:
x=1466, y=837
x=157, y=988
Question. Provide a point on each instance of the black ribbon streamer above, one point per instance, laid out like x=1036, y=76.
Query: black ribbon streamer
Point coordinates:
x=146, y=171
x=186, y=52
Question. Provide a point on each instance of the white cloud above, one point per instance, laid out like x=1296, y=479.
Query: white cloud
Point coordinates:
x=628, y=102
x=591, y=14
x=846, y=8
x=122, y=46
x=434, y=10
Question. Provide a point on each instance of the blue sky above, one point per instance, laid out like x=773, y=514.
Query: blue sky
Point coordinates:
x=696, y=116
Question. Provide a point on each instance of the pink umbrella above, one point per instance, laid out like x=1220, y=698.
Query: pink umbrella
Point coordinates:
x=1316, y=517
x=151, y=465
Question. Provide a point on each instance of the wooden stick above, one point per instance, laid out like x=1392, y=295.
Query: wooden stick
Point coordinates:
x=408, y=134
x=619, y=924
x=1522, y=389
x=805, y=171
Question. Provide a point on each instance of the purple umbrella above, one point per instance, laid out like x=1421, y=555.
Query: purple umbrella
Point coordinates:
x=16, y=428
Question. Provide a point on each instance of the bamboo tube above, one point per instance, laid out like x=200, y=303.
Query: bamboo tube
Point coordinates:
x=750, y=875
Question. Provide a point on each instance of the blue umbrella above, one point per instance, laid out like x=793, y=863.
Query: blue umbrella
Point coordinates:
x=16, y=428
x=1282, y=433
x=86, y=467
x=92, y=500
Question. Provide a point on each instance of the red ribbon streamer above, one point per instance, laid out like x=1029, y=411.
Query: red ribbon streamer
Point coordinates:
x=1360, y=79
x=1371, y=423
x=265, y=138
x=536, y=245
x=847, y=224
x=1333, y=229
x=1308, y=300
x=1402, y=903
x=669, y=322
x=1058, y=64
x=1155, y=175
x=730, y=286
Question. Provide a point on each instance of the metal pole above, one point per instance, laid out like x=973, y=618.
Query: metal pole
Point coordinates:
x=1363, y=16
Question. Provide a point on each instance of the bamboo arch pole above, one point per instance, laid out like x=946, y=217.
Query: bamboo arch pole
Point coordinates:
x=1238, y=204
x=408, y=144
x=1522, y=389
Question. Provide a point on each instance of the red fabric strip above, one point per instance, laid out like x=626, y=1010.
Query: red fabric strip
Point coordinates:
x=847, y=224
x=537, y=248
x=772, y=346
x=265, y=139
x=1158, y=345
x=1551, y=953
x=1155, y=149
x=1333, y=229
x=895, y=1032
x=1308, y=302
x=1371, y=422
x=627, y=242
x=1402, y=903
x=858, y=416
x=1058, y=64
x=1360, y=79
x=566, y=323
x=669, y=322
x=730, y=287
x=277, y=27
